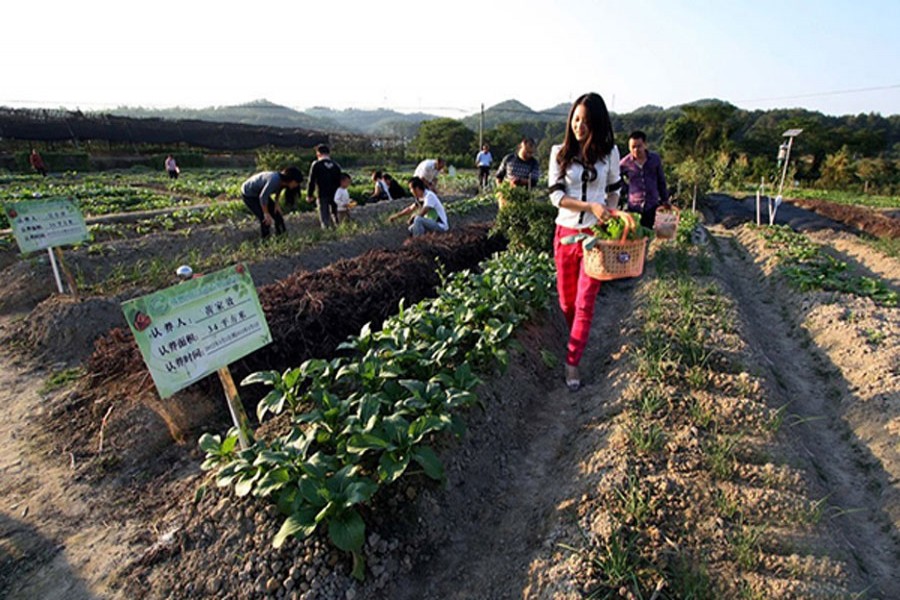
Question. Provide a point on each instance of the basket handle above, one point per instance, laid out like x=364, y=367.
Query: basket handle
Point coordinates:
x=629, y=222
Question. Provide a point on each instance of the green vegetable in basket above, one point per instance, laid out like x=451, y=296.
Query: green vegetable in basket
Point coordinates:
x=611, y=229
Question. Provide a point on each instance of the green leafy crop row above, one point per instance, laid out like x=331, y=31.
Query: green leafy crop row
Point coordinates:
x=807, y=267
x=361, y=422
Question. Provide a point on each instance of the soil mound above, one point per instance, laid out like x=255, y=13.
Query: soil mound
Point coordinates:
x=62, y=329
x=861, y=218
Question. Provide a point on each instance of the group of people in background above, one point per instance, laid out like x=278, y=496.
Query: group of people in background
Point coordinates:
x=327, y=187
x=386, y=188
x=585, y=173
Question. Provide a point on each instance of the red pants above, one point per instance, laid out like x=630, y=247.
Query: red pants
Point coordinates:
x=577, y=293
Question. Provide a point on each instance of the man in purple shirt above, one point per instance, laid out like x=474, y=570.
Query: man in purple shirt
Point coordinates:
x=643, y=171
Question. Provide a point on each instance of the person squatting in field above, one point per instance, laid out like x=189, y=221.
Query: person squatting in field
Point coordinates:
x=643, y=172
x=584, y=178
x=260, y=192
x=394, y=189
x=428, y=213
x=324, y=174
x=381, y=191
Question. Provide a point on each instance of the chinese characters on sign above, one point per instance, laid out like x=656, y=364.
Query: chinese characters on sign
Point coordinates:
x=194, y=328
x=40, y=224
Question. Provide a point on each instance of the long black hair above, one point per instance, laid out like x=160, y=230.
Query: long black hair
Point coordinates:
x=600, y=139
x=290, y=196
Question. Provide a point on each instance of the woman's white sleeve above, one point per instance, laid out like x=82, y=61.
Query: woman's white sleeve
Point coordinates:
x=553, y=176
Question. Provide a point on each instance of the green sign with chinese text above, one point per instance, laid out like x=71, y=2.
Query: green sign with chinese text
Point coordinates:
x=192, y=329
x=40, y=224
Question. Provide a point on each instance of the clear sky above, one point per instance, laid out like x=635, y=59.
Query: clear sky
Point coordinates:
x=837, y=57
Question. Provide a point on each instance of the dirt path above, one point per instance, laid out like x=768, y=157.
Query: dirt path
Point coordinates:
x=812, y=388
x=53, y=536
x=504, y=494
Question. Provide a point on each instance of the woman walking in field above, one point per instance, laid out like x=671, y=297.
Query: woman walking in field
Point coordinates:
x=583, y=176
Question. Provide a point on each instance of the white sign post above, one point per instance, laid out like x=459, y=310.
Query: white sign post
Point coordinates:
x=50, y=223
x=199, y=327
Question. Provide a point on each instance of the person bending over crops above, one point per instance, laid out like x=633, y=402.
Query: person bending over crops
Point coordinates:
x=427, y=212
x=324, y=174
x=394, y=189
x=643, y=171
x=428, y=171
x=37, y=163
x=260, y=191
x=584, y=178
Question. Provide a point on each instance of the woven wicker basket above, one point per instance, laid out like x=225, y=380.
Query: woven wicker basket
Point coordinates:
x=610, y=259
x=666, y=223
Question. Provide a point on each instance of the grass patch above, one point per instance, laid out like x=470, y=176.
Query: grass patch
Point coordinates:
x=745, y=545
x=61, y=379
x=647, y=440
x=636, y=504
x=720, y=455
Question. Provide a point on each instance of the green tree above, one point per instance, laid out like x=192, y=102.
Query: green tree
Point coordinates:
x=443, y=137
x=504, y=138
x=694, y=174
x=875, y=172
x=837, y=170
x=702, y=129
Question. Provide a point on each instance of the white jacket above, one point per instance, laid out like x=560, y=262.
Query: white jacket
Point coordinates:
x=595, y=191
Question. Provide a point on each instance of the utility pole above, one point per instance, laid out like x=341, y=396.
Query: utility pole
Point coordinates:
x=481, y=128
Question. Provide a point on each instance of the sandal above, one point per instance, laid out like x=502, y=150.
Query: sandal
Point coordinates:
x=572, y=380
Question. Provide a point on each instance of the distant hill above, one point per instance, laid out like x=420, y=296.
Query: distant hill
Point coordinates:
x=319, y=118
x=258, y=112
x=516, y=112
x=372, y=122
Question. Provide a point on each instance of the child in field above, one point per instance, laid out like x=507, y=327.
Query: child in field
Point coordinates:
x=342, y=199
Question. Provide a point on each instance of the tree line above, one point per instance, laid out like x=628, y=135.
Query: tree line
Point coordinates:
x=714, y=144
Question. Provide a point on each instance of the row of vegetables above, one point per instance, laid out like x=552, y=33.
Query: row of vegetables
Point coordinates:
x=807, y=266
x=358, y=423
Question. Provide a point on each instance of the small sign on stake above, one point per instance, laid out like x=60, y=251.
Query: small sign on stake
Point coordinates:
x=50, y=223
x=199, y=327
x=40, y=224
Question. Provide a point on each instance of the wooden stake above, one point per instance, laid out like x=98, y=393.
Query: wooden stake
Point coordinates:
x=69, y=279
x=238, y=414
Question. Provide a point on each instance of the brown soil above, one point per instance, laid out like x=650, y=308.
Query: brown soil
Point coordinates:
x=535, y=473
x=862, y=218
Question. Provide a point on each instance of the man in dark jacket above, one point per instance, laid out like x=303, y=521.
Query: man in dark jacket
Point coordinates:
x=324, y=174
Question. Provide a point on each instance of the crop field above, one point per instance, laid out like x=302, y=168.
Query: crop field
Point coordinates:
x=737, y=436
